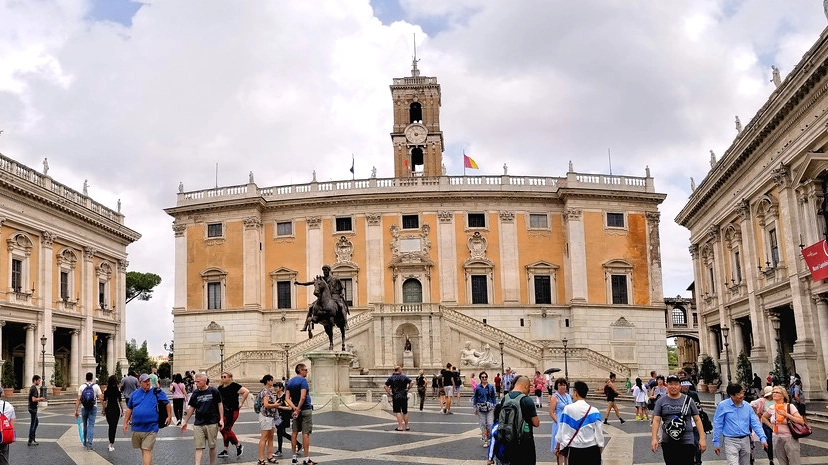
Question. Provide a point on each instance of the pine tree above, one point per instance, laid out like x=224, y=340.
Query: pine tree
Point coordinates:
x=744, y=370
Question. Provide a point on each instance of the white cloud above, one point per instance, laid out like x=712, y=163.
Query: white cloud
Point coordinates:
x=253, y=86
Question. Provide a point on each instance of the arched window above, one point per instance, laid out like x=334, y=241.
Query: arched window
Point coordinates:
x=416, y=158
x=415, y=112
x=412, y=291
x=679, y=317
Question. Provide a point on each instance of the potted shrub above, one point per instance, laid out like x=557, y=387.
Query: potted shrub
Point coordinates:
x=708, y=373
x=119, y=372
x=8, y=379
x=58, y=380
x=103, y=377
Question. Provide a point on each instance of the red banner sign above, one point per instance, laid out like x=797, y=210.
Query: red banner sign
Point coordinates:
x=816, y=256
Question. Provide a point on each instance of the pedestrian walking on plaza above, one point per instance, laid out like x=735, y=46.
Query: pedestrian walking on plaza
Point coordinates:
x=268, y=412
x=141, y=412
x=230, y=391
x=507, y=380
x=299, y=400
x=129, y=384
x=35, y=398
x=484, y=400
x=539, y=384
x=8, y=411
x=179, y=395
x=458, y=382
x=421, y=388
x=759, y=406
x=113, y=408
x=639, y=392
x=447, y=383
x=559, y=399
x=498, y=382
x=154, y=380
x=86, y=406
x=673, y=419
x=580, y=435
x=778, y=414
x=435, y=386
x=205, y=402
x=284, y=411
x=611, y=393
x=734, y=420
x=397, y=386
x=525, y=453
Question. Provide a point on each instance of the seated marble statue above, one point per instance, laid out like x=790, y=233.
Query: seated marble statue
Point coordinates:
x=469, y=356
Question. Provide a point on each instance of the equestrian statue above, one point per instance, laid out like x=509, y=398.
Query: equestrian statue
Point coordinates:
x=330, y=308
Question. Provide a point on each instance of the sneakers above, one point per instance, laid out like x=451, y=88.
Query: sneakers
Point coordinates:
x=33, y=443
x=622, y=420
x=295, y=459
x=239, y=450
x=223, y=454
x=606, y=422
x=278, y=453
x=111, y=448
x=637, y=418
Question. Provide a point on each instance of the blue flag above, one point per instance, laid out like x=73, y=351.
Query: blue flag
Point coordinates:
x=352, y=164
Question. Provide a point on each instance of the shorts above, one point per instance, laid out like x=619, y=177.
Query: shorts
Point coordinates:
x=538, y=392
x=400, y=405
x=205, y=436
x=145, y=441
x=641, y=404
x=449, y=390
x=304, y=422
x=265, y=423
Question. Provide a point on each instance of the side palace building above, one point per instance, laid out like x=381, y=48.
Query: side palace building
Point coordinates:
x=761, y=204
x=529, y=271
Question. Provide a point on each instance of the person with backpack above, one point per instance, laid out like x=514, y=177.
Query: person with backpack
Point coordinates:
x=580, y=436
x=7, y=421
x=484, y=400
x=268, y=412
x=421, y=388
x=673, y=418
x=142, y=413
x=89, y=394
x=517, y=420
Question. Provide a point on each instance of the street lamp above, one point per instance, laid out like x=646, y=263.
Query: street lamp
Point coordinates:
x=221, y=354
x=287, y=362
x=43, y=366
x=725, y=331
x=777, y=326
x=502, y=371
x=566, y=364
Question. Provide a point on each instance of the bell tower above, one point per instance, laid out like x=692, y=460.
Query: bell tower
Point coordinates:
x=417, y=138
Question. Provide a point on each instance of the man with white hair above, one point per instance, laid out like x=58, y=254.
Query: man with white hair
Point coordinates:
x=206, y=403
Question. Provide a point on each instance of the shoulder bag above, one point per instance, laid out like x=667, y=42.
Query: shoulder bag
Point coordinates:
x=564, y=452
x=797, y=430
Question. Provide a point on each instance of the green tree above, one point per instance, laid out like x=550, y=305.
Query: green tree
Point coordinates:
x=164, y=370
x=672, y=357
x=744, y=370
x=708, y=371
x=103, y=374
x=138, y=357
x=140, y=285
x=119, y=372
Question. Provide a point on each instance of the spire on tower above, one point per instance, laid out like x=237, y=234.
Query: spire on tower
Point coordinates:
x=414, y=71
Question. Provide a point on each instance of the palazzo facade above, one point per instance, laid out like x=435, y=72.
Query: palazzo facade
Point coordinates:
x=526, y=271
x=749, y=219
x=62, y=277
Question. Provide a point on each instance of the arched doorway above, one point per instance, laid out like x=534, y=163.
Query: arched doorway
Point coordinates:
x=412, y=291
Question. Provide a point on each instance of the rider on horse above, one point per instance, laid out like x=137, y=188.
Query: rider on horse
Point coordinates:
x=337, y=294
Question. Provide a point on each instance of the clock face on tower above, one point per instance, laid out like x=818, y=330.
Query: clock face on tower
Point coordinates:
x=416, y=133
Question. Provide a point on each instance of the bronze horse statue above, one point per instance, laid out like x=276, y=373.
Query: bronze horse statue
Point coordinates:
x=328, y=311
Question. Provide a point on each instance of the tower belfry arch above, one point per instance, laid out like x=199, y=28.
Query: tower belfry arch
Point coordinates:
x=416, y=136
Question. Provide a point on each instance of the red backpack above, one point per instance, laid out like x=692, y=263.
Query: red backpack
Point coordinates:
x=6, y=427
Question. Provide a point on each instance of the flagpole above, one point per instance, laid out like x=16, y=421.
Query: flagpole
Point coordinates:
x=464, y=163
x=353, y=176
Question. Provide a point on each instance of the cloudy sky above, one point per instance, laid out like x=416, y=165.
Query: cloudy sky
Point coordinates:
x=137, y=97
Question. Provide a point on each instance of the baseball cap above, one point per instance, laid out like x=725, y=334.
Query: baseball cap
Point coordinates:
x=686, y=383
x=768, y=391
x=144, y=377
x=672, y=378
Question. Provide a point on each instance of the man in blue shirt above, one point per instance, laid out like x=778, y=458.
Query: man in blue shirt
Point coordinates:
x=734, y=420
x=299, y=400
x=141, y=410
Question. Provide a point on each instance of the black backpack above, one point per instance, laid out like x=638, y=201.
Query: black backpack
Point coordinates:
x=161, y=407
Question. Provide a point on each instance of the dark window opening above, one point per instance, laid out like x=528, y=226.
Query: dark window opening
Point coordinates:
x=410, y=222
x=477, y=220
x=214, y=230
x=64, y=285
x=348, y=287
x=615, y=220
x=415, y=112
x=416, y=157
x=543, y=289
x=521, y=321
x=213, y=296
x=679, y=317
x=738, y=267
x=412, y=291
x=283, y=299
x=344, y=224
x=774, y=247
x=17, y=275
x=619, y=289
x=102, y=295
x=479, y=289
x=484, y=321
x=712, y=281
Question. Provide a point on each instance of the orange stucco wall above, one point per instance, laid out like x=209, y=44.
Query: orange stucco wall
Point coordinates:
x=604, y=245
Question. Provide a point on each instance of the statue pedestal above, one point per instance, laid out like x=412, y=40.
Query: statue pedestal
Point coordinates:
x=329, y=373
x=408, y=359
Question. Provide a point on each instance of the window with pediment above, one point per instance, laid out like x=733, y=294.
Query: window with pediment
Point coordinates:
x=543, y=283
x=20, y=248
x=619, y=285
x=67, y=260
x=214, y=282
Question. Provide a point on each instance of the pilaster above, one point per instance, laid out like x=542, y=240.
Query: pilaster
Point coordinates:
x=447, y=253
x=509, y=272
x=577, y=279
x=252, y=257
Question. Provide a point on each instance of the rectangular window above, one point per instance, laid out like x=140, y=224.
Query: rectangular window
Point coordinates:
x=774, y=247
x=64, y=285
x=543, y=290
x=284, y=229
x=344, y=224
x=283, y=294
x=615, y=220
x=477, y=220
x=738, y=267
x=410, y=222
x=619, y=289
x=214, y=230
x=348, y=287
x=479, y=289
x=102, y=295
x=712, y=280
x=17, y=275
x=538, y=221
x=213, y=296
